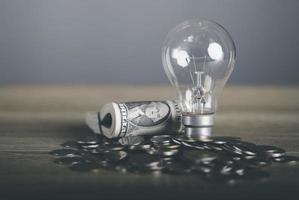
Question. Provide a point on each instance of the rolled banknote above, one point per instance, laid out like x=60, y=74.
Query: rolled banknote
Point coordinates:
x=136, y=118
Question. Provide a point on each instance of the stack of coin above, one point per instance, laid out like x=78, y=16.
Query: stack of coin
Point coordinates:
x=213, y=158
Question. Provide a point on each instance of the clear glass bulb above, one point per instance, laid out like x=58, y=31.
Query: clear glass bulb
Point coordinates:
x=198, y=58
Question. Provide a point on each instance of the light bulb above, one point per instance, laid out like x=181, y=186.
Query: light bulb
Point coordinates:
x=198, y=57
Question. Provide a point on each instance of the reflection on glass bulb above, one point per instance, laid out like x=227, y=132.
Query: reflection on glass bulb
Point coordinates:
x=198, y=58
x=182, y=57
x=215, y=51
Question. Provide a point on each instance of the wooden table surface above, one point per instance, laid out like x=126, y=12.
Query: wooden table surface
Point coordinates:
x=37, y=119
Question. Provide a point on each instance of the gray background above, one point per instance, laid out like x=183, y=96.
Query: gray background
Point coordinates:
x=106, y=42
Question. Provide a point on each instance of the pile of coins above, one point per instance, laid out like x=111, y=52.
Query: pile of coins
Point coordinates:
x=214, y=158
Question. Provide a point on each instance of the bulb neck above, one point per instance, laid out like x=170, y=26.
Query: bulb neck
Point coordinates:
x=197, y=126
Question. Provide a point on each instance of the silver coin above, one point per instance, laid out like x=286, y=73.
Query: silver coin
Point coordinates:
x=189, y=140
x=208, y=146
x=216, y=147
x=292, y=160
x=204, y=169
x=176, y=141
x=69, y=160
x=113, y=147
x=80, y=142
x=121, y=168
x=226, y=169
x=277, y=154
x=140, y=163
x=88, y=142
x=223, y=139
x=84, y=166
x=105, y=143
x=181, y=138
x=231, y=149
x=161, y=139
x=171, y=146
x=261, y=162
x=272, y=151
x=249, y=157
x=246, y=148
x=92, y=142
x=268, y=148
x=256, y=162
x=155, y=166
x=240, y=171
x=194, y=145
x=145, y=146
x=65, y=152
x=170, y=152
x=104, y=163
x=187, y=144
x=90, y=146
x=199, y=157
x=117, y=148
x=167, y=145
x=162, y=152
x=99, y=150
x=166, y=159
x=141, y=148
x=115, y=156
x=131, y=140
x=236, y=158
x=142, y=159
x=177, y=168
x=70, y=144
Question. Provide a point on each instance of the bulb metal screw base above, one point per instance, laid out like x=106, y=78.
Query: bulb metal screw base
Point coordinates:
x=197, y=126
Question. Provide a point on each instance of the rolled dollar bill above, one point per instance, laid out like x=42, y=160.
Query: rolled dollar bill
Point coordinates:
x=136, y=118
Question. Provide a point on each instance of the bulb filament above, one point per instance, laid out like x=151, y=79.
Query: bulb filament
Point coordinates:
x=199, y=92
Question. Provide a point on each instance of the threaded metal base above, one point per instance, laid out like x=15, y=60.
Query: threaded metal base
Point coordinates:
x=197, y=126
x=198, y=132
